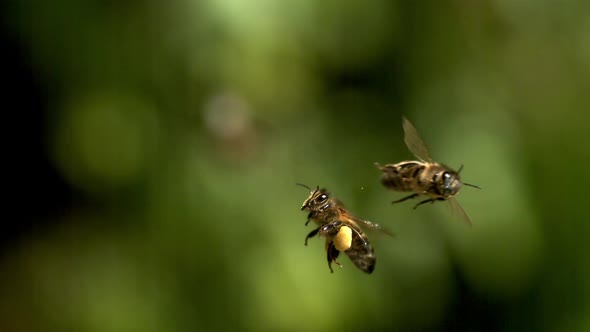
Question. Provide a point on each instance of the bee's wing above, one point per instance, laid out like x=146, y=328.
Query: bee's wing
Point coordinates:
x=361, y=252
x=374, y=226
x=356, y=222
x=414, y=143
x=457, y=210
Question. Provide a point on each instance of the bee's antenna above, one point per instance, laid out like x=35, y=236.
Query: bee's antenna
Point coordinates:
x=467, y=184
x=304, y=186
x=471, y=185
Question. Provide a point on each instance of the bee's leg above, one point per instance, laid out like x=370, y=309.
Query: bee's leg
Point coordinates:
x=311, y=234
x=330, y=265
x=308, y=218
x=332, y=255
x=406, y=198
x=430, y=200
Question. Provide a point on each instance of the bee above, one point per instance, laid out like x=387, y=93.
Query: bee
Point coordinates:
x=341, y=230
x=424, y=177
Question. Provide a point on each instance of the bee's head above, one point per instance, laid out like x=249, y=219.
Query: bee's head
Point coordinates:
x=317, y=199
x=449, y=183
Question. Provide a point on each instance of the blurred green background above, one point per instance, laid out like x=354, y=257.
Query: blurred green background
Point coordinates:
x=157, y=146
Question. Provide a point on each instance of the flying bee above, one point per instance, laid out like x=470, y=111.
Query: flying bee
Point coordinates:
x=423, y=177
x=341, y=230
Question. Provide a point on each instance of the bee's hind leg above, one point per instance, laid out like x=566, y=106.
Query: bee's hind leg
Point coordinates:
x=332, y=255
x=330, y=265
x=405, y=198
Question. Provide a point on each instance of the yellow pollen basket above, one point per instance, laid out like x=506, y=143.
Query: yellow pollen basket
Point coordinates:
x=343, y=239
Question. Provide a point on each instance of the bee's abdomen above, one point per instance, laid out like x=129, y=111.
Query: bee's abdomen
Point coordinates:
x=402, y=176
x=394, y=182
x=361, y=253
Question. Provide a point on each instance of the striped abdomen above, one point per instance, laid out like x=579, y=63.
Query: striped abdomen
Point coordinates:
x=404, y=176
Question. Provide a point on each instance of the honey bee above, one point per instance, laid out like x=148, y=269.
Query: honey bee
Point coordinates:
x=341, y=230
x=423, y=177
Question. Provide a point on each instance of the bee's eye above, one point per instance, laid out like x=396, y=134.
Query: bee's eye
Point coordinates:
x=323, y=197
x=447, y=180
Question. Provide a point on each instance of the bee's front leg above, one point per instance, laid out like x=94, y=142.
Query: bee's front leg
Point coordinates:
x=309, y=218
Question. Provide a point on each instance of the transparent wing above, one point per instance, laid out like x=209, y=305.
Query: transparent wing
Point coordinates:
x=366, y=224
x=457, y=210
x=414, y=143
